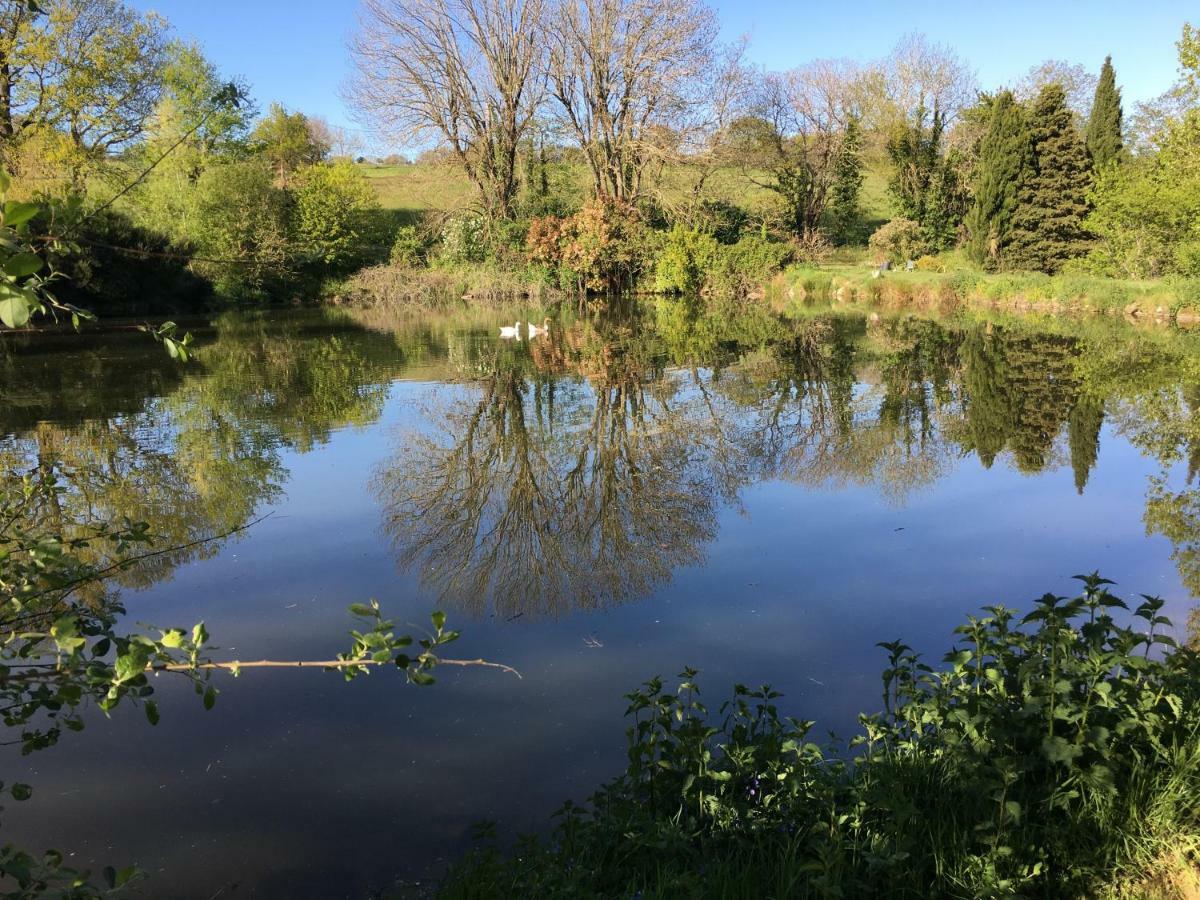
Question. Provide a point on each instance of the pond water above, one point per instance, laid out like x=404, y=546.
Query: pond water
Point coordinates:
x=759, y=497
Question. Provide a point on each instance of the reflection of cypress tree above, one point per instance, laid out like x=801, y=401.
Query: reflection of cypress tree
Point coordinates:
x=1083, y=435
x=1020, y=390
x=988, y=406
x=1045, y=387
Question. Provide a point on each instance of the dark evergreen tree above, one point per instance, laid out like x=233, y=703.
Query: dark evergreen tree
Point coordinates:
x=843, y=210
x=1104, y=140
x=1083, y=437
x=925, y=183
x=1003, y=155
x=1047, y=226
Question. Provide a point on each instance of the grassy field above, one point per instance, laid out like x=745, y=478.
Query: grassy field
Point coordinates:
x=420, y=187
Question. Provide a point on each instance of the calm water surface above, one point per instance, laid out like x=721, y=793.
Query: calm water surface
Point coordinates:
x=762, y=499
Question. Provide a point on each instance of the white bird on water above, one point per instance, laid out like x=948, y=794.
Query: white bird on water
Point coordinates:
x=535, y=330
x=511, y=331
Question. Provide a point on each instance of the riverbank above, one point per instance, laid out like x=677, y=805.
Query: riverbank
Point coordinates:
x=1156, y=300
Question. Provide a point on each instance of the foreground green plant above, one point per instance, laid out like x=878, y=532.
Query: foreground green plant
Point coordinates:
x=1051, y=755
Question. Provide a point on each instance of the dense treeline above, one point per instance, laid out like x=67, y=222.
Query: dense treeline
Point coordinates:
x=1046, y=176
x=159, y=181
x=594, y=133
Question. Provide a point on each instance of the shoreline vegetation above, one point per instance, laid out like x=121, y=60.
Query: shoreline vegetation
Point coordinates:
x=1048, y=755
x=1056, y=754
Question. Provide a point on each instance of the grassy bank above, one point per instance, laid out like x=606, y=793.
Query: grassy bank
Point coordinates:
x=1054, y=755
x=1162, y=299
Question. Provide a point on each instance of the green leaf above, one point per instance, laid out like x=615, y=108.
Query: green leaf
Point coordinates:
x=5, y=182
x=14, y=310
x=172, y=638
x=19, y=213
x=152, y=712
x=361, y=609
x=23, y=265
x=210, y=697
x=21, y=791
x=199, y=634
x=439, y=620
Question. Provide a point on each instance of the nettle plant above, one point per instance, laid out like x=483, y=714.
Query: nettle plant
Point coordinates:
x=1050, y=754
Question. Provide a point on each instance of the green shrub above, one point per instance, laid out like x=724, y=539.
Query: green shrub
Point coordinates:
x=684, y=260
x=334, y=208
x=409, y=248
x=898, y=241
x=723, y=220
x=463, y=240
x=751, y=262
x=929, y=263
x=1050, y=755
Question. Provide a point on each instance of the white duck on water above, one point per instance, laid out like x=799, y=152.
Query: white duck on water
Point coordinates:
x=535, y=330
x=511, y=331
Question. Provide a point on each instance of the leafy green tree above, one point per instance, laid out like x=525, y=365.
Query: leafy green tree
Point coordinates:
x=1048, y=224
x=333, y=215
x=924, y=181
x=1105, y=142
x=1003, y=156
x=90, y=79
x=844, y=212
x=288, y=142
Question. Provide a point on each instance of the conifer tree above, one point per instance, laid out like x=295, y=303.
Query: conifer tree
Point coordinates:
x=844, y=212
x=1003, y=155
x=1047, y=226
x=1104, y=140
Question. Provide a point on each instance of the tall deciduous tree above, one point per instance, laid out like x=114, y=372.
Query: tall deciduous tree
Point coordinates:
x=464, y=72
x=1105, y=141
x=627, y=75
x=794, y=145
x=86, y=74
x=1047, y=227
x=288, y=142
x=1003, y=155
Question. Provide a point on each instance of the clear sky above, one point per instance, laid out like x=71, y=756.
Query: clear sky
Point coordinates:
x=294, y=51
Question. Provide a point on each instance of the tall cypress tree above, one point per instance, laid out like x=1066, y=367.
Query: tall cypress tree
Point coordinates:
x=1104, y=140
x=1003, y=155
x=843, y=211
x=1047, y=226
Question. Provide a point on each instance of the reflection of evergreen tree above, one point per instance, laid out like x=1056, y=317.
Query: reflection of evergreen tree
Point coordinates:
x=1083, y=435
x=1020, y=390
x=988, y=406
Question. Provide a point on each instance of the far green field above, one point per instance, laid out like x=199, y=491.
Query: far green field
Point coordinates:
x=412, y=189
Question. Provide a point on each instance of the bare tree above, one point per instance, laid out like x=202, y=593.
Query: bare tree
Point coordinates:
x=792, y=143
x=626, y=75
x=918, y=83
x=1077, y=81
x=465, y=72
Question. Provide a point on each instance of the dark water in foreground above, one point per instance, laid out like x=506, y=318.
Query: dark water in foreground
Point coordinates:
x=758, y=498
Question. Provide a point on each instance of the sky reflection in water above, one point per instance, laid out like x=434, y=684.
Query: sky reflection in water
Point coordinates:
x=762, y=499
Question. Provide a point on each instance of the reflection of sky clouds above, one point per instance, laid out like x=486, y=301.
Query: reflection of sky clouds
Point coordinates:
x=798, y=571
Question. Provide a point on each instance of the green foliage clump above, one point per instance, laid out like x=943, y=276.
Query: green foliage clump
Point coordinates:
x=684, y=260
x=898, y=241
x=239, y=227
x=409, y=248
x=1105, y=142
x=1050, y=755
x=1048, y=223
x=335, y=214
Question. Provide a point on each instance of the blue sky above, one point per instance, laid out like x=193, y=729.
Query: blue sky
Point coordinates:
x=294, y=51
